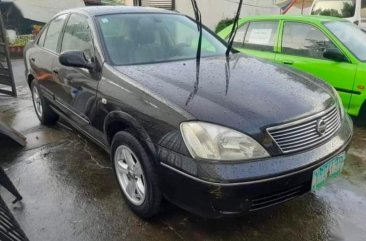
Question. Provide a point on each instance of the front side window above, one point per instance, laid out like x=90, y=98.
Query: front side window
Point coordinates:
x=351, y=36
x=261, y=36
x=304, y=40
x=152, y=38
x=335, y=8
x=53, y=33
x=239, y=36
x=77, y=36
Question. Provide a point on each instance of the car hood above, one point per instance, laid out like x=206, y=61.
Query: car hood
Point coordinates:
x=244, y=93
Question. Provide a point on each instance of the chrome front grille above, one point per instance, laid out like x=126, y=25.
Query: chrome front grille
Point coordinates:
x=306, y=133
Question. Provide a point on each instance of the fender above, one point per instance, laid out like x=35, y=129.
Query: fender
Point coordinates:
x=127, y=121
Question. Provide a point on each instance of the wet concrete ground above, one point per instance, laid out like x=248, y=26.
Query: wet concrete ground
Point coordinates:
x=70, y=193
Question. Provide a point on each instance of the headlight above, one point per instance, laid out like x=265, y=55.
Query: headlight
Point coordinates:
x=339, y=102
x=214, y=142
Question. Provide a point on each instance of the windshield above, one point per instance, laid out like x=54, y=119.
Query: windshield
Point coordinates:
x=153, y=38
x=340, y=9
x=351, y=36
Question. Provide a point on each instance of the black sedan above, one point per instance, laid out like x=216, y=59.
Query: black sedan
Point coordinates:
x=220, y=134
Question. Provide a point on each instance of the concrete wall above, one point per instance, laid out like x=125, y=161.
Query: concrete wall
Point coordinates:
x=128, y=2
x=214, y=10
x=301, y=7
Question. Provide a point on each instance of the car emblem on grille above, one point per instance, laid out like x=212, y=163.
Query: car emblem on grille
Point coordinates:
x=321, y=126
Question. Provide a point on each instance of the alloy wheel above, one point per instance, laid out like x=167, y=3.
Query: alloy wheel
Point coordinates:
x=37, y=101
x=130, y=175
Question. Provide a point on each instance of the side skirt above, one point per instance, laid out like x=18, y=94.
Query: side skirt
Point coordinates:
x=81, y=130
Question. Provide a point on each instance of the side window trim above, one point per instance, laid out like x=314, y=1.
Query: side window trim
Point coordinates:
x=315, y=26
x=278, y=45
x=43, y=32
x=61, y=36
x=246, y=31
x=275, y=44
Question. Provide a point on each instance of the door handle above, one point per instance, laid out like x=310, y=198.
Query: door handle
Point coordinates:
x=33, y=59
x=288, y=62
x=55, y=71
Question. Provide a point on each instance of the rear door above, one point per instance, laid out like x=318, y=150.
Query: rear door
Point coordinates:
x=76, y=87
x=42, y=56
x=302, y=47
x=257, y=39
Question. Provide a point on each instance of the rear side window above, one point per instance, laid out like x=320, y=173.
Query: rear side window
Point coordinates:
x=363, y=9
x=42, y=37
x=304, y=40
x=261, y=36
x=77, y=35
x=53, y=33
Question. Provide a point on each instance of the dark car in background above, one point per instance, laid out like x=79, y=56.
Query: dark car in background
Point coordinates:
x=243, y=136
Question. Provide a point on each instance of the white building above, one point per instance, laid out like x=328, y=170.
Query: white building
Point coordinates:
x=215, y=10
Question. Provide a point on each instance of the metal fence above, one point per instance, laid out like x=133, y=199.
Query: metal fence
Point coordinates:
x=9, y=228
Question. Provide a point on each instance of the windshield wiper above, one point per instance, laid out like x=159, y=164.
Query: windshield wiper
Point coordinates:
x=197, y=14
x=234, y=29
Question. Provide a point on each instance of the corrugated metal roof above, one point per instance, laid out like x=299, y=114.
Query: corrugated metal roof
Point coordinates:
x=44, y=10
x=166, y=4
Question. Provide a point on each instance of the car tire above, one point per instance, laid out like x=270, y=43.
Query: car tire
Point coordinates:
x=363, y=112
x=132, y=167
x=43, y=111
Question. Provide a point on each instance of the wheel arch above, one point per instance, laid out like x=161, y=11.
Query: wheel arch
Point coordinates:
x=117, y=121
x=30, y=78
x=362, y=113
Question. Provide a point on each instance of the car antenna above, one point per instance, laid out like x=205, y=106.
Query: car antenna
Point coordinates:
x=197, y=14
x=234, y=29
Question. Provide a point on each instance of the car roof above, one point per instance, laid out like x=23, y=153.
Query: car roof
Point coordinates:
x=311, y=18
x=103, y=10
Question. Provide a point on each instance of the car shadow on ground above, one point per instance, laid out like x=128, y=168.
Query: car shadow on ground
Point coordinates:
x=74, y=168
x=303, y=219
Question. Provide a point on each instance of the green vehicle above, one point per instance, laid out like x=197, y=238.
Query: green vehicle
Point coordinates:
x=329, y=48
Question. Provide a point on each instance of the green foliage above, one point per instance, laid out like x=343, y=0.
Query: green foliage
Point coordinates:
x=22, y=40
x=347, y=11
x=223, y=24
x=112, y=2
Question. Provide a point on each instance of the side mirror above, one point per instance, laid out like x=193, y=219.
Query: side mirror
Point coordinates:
x=75, y=59
x=334, y=54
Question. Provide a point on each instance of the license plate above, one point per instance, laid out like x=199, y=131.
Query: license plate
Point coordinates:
x=330, y=169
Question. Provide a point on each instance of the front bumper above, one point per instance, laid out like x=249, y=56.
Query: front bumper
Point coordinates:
x=216, y=189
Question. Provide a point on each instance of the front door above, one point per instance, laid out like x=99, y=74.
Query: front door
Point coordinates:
x=303, y=46
x=76, y=90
